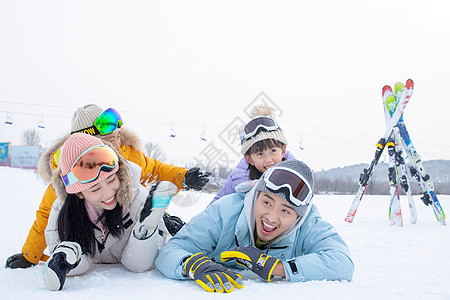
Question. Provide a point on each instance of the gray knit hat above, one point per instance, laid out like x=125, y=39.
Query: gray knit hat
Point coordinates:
x=296, y=166
x=85, y=116
x=277, y=135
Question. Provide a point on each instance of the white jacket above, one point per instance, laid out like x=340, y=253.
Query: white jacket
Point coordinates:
x=136, y=255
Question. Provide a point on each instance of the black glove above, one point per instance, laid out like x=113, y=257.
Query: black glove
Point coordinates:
x=252, y=258
x=195, y=179
x=173, y=223
x=18, y=261
x=64, y=258
x=210, y=275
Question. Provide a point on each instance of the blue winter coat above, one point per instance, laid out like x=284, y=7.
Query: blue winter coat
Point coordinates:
x=238, y=175
x=310, y=251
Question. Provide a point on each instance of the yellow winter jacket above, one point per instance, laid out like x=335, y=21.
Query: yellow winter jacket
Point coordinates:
x=152, y=170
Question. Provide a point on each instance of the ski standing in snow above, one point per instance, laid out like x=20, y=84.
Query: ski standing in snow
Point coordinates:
x=398, y=139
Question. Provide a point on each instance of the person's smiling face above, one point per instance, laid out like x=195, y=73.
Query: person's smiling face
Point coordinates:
x=273, y=216
x=103, y=194
x=265, y=159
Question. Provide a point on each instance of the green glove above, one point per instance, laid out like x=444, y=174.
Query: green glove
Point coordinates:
x=252, y=258
x=210, y=275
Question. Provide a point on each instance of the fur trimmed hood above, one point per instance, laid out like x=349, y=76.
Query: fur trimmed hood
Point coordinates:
x=124, y=194
x=47, y=163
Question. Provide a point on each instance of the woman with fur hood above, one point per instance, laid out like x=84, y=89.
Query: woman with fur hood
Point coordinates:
x=91, y=119
x=102, y=214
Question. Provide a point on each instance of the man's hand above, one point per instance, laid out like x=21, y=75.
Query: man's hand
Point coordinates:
x=210, y=275
x=253, y=259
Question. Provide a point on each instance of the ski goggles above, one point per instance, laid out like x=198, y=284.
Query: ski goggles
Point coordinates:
x=88, y=165
x=106, y=123
x=296, y=189
x=256, y=125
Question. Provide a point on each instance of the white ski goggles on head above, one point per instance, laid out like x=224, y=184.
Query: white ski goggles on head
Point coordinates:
x=256, y=125
x=296, y=189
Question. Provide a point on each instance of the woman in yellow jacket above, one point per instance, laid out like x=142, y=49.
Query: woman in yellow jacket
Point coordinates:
x=91, y=119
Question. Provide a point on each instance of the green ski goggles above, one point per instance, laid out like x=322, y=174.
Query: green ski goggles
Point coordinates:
x=106, y=123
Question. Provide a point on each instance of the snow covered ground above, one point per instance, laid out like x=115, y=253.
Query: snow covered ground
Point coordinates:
x=409, y=262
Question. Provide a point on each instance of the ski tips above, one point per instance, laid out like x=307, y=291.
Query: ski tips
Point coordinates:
x=386, y=88
x=409, y=84
x=398, y=87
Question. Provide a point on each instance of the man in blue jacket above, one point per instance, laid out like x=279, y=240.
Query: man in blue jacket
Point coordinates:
x=273, y=230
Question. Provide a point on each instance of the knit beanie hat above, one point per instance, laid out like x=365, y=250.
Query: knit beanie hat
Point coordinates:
x=85, y=116
x=74, y=146
x=278, y=135
x=297, y=166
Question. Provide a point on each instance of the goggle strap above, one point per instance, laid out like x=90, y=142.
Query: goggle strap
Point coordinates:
x=69, y=179
x=245, y=135
x=88, y=130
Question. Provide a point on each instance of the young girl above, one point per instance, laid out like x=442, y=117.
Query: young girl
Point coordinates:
x=263, y=145
x=102, y=214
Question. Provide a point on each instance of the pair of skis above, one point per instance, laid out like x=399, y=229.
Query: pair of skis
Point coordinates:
x=367, y=172
x=396, y=137
x=397, y=171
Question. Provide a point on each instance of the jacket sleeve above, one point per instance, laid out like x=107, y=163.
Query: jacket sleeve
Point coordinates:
x=201, y=234
x=140, y=255
x=51, y=231
x=288, y=155
x=228, y=188
x=83, y=266
x=322, y=255
x=238, y=175
x=153, y=169
x=52, y=239
x=34, y=246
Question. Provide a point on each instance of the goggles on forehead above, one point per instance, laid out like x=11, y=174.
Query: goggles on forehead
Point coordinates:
x=253, y=127
x=296, y=189
x=88, y=165
x=106, y=123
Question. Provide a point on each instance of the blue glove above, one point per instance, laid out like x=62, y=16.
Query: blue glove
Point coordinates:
x=253, y=259
x=210, y=275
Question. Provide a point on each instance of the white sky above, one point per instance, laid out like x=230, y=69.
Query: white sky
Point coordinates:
x=199, y=64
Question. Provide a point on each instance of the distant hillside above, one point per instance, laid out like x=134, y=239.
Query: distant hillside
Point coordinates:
x=345, y=180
